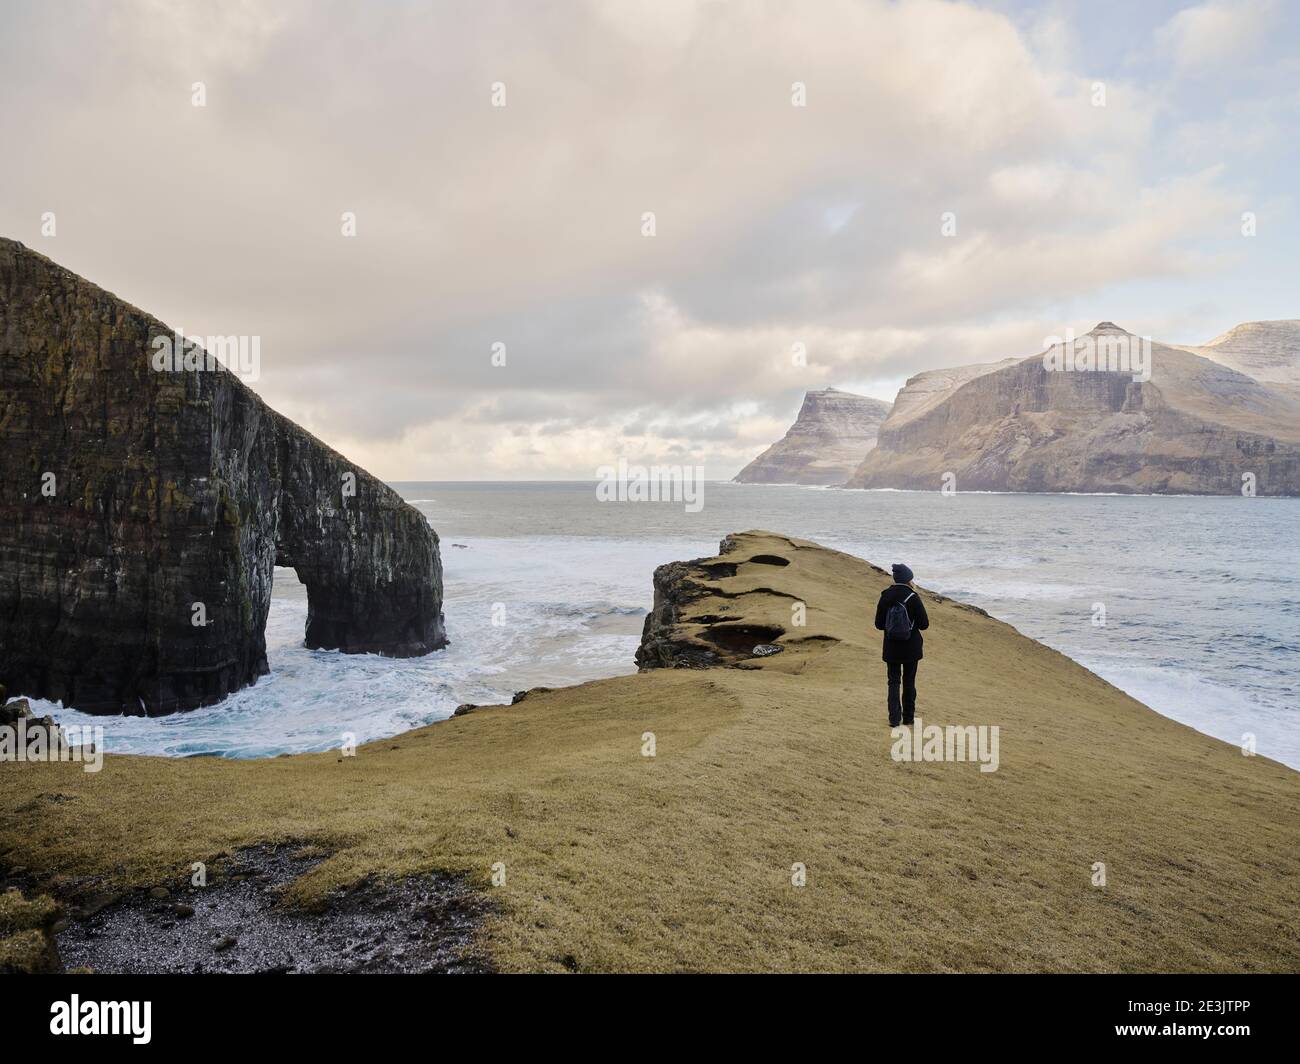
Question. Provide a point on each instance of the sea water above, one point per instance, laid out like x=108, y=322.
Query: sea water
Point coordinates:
x=548, y=585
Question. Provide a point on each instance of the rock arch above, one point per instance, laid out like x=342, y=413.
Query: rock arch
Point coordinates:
x=172, y=490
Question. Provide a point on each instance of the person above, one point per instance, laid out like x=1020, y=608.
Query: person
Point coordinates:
x=903, y=642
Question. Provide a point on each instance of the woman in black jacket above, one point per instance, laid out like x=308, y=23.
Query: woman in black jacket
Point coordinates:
x=902, y=655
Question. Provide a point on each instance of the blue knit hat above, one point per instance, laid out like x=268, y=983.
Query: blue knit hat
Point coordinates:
x=902, y=574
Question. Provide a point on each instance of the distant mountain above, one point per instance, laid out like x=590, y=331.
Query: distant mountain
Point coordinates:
x=1195, y=426
x=1266, y=350
x=927, y=390
x=826, y=443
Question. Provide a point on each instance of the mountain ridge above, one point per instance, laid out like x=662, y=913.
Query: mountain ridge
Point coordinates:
x=1196, y=426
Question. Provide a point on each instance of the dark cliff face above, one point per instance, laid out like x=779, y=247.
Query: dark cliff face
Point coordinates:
x=676, y=586
x=142, y=512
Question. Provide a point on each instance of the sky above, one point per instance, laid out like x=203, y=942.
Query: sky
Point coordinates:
x=844, y=193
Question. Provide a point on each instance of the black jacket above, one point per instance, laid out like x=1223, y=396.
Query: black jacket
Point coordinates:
x=898, y=650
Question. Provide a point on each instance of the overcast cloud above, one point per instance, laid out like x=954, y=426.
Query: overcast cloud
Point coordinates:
x=522, y=224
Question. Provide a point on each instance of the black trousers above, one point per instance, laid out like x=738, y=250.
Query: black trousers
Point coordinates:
x=904, y=673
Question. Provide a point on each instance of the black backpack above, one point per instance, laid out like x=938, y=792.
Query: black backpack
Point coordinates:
x=898, y=622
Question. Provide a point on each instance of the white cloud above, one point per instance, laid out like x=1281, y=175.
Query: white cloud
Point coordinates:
x=1211, y=34
x=776, y=225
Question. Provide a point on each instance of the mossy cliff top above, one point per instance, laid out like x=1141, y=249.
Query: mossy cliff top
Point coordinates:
x=685, y=860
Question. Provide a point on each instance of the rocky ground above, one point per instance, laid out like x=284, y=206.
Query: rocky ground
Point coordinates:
x=416, y=924
x=237, y=923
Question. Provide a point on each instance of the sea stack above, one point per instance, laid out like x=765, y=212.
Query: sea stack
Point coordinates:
x=828, y=440
x=144, y=511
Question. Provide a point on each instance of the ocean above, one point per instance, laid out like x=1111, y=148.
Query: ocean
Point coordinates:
x=547, y=585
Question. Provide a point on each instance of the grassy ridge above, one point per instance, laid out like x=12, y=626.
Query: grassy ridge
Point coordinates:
x=616, y=861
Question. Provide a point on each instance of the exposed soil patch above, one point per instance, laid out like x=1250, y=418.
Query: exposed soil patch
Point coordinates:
x=236, y=924
x=753, y=591
x=719, y=570
x=742, y=638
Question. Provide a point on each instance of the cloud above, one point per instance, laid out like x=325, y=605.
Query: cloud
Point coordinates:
x=521, y=225
x=1213, y=34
